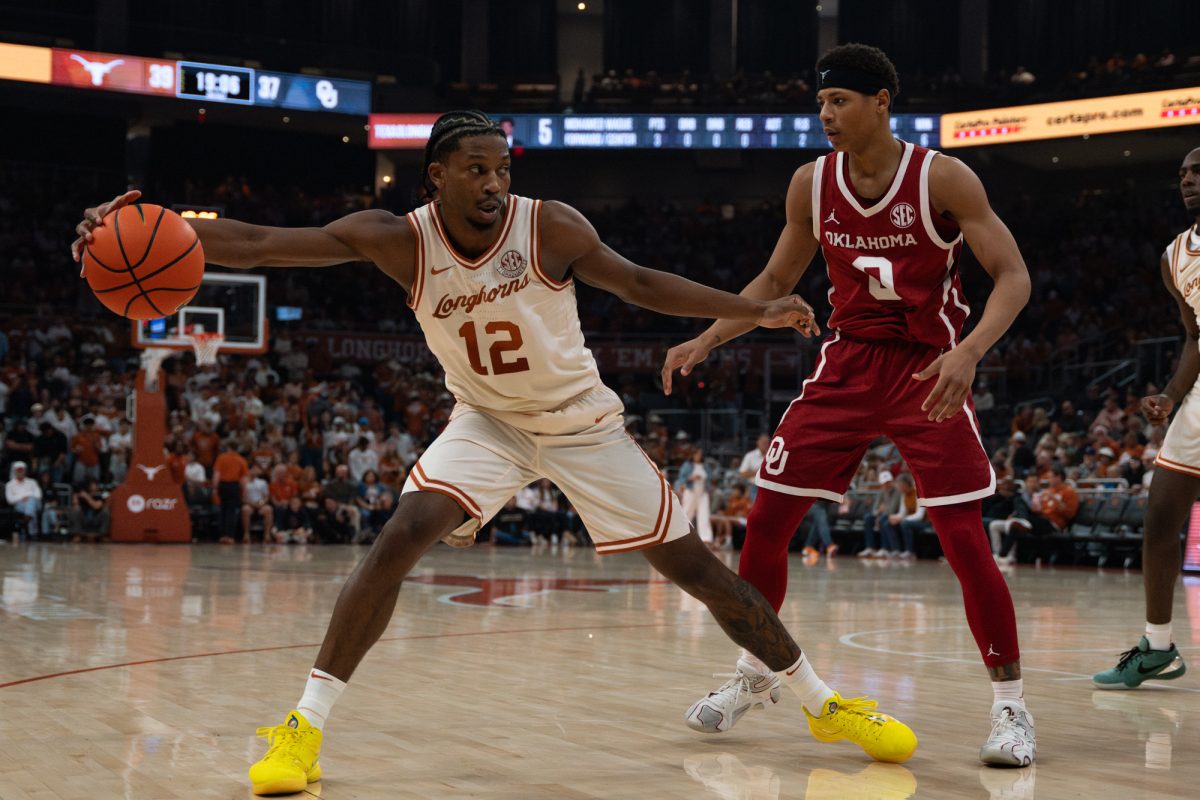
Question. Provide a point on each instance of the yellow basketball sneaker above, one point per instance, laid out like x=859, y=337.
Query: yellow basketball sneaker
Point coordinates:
x=883, y=737
x=291, y=760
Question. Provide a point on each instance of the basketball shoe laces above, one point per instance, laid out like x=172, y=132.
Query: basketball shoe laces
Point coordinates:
x=739, y=679
x=857, y=718
x=1006, y=726
x=283, y=742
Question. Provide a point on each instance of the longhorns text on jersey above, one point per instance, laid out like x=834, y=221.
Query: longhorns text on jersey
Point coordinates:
x=507, y=334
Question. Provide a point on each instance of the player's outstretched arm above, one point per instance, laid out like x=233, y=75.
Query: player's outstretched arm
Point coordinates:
x=1158, y=407
x=957, y=191
x=569, y=244
x=792, y=255
x=230, y=243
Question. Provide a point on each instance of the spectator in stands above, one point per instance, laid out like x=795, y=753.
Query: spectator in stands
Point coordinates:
x=1052, y=509
x=50, y=453
x=362, y=459
x=86, y=446
x=527, y=501
x=334, y=523
x=819, y=534
x=729, y=524
x=1004, y=509
x=1021, y=456
x=751, y=462
x=343, y=492
x=58, y=417
x=230, y=471
x=910, y=516
x=509, y=527
x=375, y=503
x=205, y=443
x=292, y=524
x=692, y=485
x=879, y=537
x=25, y=496
x=282, y=488
x=91, y=506
x=1111, y=416
x=120, y=446
x=256, y=502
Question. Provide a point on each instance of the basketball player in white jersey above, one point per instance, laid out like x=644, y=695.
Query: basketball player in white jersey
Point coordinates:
x=1176, y=482
x=490, y=276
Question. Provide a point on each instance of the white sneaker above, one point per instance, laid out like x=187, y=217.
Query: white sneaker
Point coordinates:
x=907, y=555
x=1012, y=742
x=746, y=688
x=868, y=553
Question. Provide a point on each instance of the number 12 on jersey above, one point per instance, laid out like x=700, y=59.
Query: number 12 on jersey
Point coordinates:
x=497, y=350
x=878, y=270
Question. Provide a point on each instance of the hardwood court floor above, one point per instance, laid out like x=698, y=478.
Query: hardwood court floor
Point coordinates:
x=142, y=671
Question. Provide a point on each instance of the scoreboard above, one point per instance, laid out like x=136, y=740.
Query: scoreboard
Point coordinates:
x=650, y=131
x=213, y=83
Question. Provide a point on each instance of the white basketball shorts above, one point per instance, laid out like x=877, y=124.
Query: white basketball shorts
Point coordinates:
x=622, y=498
x=1181, y=448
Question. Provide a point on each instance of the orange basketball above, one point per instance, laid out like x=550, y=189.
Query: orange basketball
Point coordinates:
x=144, y=262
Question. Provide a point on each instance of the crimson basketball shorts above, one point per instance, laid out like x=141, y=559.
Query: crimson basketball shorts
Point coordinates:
x=863, y=390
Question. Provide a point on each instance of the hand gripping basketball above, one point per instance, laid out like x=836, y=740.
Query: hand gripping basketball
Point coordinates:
x=142, y=261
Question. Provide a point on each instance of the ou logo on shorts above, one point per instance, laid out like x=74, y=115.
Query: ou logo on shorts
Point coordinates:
x=903, y=215
x=776, y=458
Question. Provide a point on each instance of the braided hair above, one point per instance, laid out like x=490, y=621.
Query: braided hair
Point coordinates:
x=448, y=131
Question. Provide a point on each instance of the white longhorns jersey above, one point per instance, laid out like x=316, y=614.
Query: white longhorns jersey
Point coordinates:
x=1183, y=255
x=507, y=334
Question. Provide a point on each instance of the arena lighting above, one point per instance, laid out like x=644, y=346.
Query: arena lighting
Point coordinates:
x=1128, y=112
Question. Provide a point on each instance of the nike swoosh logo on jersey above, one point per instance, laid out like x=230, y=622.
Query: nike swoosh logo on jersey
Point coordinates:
x=436, y=271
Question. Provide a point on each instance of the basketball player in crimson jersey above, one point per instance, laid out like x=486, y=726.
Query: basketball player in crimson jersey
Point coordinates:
x=490, y=277
x=890, y=218
x=1176, y=482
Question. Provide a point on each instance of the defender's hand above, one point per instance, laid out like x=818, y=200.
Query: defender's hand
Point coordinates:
x=94, y=217
x=789, y=312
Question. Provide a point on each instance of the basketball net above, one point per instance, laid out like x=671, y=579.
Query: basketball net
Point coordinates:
x=205, y=346
x=151, y=360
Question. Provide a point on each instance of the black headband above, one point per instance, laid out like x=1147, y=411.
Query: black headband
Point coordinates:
x=853, y=79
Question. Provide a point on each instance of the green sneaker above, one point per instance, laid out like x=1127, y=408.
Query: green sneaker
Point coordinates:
x=1139, y=665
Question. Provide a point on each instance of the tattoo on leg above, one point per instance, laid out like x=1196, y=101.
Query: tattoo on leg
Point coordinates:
x=1006, y=672
x=748, y=619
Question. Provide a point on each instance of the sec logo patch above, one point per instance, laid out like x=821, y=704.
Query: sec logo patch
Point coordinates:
x=511, y=264
x=903, y=215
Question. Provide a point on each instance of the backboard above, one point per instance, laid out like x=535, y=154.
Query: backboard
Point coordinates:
x=230, y=304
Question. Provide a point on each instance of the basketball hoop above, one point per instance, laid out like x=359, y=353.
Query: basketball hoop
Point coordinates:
x=205, y=346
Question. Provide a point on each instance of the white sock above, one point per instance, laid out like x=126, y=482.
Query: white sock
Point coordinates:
x=1009, y=692
x=1159, y=636
x=320, y=693
x=802, y=680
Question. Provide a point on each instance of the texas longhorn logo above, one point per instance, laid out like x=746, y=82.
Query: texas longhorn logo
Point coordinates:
x=97, y=69
x=151, y=471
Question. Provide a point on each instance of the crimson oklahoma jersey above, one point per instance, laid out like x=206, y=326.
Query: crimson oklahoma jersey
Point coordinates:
x=893, y=263
x=897, y=301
